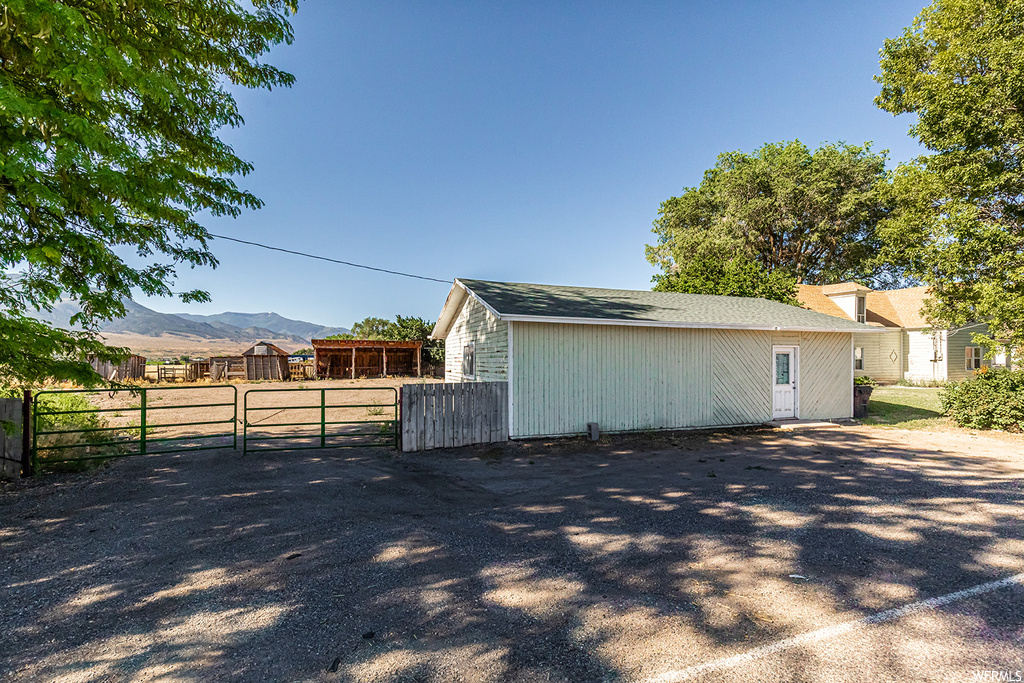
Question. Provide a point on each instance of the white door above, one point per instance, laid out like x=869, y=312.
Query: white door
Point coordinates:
x=784, y=391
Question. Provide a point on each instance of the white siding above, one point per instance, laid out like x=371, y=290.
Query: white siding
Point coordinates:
x=919, y=348
x=883, y=355
x=742, y=387
x=638, y=378
x=476, y=323
x=825, y=385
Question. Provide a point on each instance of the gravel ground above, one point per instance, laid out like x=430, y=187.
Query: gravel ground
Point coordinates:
x=630, y=560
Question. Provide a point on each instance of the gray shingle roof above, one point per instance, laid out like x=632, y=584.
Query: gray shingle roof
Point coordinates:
x=514, y=300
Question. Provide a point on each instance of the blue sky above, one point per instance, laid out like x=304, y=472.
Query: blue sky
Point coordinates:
x=519, y=141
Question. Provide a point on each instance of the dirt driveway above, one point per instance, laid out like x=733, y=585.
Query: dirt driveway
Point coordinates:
x=760, y=556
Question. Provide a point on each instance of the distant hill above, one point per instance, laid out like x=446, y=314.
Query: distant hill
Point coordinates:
x=268, y=321
x=142, y=321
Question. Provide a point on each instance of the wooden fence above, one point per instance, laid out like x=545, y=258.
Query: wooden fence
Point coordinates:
x=10, y=437
x=450, y=415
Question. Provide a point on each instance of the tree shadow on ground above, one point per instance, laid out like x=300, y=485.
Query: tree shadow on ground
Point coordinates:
x=536, y=561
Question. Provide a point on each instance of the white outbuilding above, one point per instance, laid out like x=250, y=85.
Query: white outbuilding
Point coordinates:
x=640, y=360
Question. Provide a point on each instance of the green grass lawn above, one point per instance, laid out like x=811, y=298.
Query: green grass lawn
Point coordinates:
x=906, y=408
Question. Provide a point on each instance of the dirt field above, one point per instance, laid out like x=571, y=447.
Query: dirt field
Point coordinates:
x=688, y=556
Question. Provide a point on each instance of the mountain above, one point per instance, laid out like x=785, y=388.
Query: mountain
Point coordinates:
x=269, y=321
x=142, y=321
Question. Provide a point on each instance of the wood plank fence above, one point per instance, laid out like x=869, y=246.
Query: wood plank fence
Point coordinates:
x=10, y=437
x=453, y=414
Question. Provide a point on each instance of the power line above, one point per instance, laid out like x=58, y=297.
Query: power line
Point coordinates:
x=332, y=260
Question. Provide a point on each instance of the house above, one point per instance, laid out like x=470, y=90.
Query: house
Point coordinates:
x=640, y=360
x=908, y=348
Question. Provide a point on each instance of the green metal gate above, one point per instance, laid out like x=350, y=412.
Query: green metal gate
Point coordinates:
x=301, y=419
x=68, y=427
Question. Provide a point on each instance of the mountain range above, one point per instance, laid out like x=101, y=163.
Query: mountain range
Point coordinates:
x=267, y=321
x=147, y=331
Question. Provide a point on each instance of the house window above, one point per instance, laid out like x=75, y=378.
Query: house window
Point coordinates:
x=858, y=357
x=972, y=355
x=469, y=360
x=862, y=309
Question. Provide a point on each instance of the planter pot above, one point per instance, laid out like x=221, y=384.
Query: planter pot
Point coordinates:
x=861, y=396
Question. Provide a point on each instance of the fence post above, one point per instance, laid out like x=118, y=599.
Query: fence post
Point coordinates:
x=142, y=423
x=323, y=416
x=27, y=450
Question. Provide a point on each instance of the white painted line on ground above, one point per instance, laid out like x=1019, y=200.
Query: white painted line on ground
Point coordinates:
x=833, y=631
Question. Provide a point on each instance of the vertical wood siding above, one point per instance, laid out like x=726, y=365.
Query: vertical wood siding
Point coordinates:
x=920, y=352
x=637, y=378
x=742, y=381
x=825, y=387
x=476, y=323
x=624, y=378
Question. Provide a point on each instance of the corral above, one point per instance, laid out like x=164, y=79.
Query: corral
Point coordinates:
x=352, y=358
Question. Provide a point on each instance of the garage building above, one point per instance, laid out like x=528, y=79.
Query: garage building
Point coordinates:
x=640, y=360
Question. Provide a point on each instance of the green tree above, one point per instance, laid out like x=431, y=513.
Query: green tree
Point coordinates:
x=109, y=114
x=959, y=218
x=785, y=209
x=735, y=276
x=402, y=328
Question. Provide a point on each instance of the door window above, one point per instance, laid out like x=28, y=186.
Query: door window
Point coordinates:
x=781, y=368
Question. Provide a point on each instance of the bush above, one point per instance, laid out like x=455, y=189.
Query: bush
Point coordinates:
x=992, y=399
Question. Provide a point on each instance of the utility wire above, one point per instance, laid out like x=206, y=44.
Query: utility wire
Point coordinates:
x=332, y=260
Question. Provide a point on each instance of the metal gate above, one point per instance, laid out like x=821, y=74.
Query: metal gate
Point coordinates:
x=302, y=419
x=82, y=425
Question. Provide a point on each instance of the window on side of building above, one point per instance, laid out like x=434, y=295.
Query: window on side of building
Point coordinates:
x=858, y=357
x=862, y=309
x=469, y=360
x=972, y=357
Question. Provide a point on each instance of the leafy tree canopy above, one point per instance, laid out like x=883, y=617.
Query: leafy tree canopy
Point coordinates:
x=736, y=276
x=959, y=221
x=782, y=209
x=402, y=328
x=109, y=113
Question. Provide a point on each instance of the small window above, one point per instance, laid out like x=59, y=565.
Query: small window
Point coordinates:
x=862, y=309
x=469, y=360
x=972, y=355
x=858, y=357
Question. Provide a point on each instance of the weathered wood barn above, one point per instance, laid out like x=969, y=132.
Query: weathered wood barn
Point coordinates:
x=266, y=361
x=351, y=358
x=640, y=360
x=134, y=367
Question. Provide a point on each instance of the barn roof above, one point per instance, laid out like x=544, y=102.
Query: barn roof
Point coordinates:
x=586, y=305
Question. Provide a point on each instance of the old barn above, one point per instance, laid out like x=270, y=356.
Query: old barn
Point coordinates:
x=351, y=358
x=640, y=360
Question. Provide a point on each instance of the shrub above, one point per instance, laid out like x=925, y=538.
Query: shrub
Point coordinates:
x=864, y=380
x=991, y=399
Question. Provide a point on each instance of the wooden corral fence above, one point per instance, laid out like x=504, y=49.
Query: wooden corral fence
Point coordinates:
x=12, y=453
x=132, y=368
x=453, y=414
x=223, y=368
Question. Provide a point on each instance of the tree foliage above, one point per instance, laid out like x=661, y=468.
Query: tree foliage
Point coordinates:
x=402, y=328
x=784, y=208
x=959, y=221
x=109, y=113
x=735, y=276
